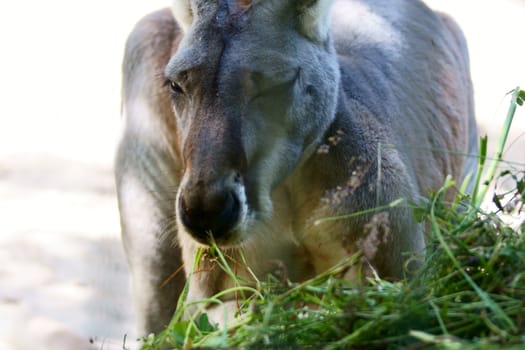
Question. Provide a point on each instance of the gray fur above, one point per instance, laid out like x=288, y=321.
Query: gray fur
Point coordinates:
x=263, y=88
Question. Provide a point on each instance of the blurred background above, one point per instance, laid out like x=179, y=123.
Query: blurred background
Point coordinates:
x=63, y=277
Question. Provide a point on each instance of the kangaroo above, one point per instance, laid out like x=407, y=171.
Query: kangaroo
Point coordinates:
x=247, y=121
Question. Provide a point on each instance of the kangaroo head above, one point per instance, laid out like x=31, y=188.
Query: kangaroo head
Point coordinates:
x=254, y=87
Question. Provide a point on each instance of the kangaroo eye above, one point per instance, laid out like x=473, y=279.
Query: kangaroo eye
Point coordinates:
x=175, y=88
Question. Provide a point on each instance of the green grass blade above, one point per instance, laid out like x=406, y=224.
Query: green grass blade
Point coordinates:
x=491, y=172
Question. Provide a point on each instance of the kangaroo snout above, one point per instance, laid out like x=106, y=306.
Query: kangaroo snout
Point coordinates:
x=210, y=212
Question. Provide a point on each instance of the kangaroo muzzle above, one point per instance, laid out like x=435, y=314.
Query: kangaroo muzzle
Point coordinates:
x=209, y=212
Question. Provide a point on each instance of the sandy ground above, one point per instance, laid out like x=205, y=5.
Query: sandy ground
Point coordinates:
x=63, y=277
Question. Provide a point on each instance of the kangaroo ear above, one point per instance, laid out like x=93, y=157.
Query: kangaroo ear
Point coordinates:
x=183, y=13
x=314, y=18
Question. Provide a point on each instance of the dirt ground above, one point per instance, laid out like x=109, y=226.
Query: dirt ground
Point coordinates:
x=63, y=277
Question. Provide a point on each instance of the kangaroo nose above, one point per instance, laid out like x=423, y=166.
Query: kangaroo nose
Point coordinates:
x=210, y=216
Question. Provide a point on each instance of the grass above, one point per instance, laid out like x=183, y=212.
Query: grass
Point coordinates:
x=469, y=293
